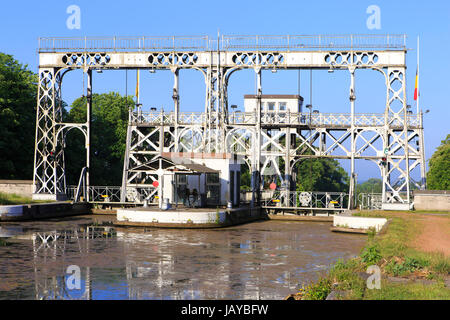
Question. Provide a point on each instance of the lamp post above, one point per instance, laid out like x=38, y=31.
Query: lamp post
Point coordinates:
x=234, y=107
x=309, y=106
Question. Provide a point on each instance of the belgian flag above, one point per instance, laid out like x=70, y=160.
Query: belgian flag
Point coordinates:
x=137, y=86
x=416, y=87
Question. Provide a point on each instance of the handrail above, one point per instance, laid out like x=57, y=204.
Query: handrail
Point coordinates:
x=81, y=184
x=227, y=42
x=292, y=118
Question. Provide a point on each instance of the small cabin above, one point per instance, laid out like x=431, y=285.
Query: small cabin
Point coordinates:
x=199, y=179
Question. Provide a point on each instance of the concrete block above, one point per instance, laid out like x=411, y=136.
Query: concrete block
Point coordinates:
x=359, y=222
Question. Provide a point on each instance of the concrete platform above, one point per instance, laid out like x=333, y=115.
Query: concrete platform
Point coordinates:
x=346, y=223
x=38, y=211
x=295, y=217
x=186, y=217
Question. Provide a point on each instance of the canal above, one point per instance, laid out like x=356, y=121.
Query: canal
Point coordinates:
x=259, y=260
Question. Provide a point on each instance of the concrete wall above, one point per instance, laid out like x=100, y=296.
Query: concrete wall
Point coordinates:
x=20, y=187
x=37, y=211
x=438, y=200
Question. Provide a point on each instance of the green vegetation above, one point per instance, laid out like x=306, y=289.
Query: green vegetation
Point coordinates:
x=438, y=176
x=18, y=88
x=394, y=256
x=108, y=138
x=321, y=174
x=372, y=185
x=312, y=175
x=3, y=243
x=11, y=198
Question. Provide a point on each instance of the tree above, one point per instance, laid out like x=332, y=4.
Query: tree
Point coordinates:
x=438, y=176
x=315, y=174
x=372, y=185
x=321, y=174
x=108, y=138
x=18, y=89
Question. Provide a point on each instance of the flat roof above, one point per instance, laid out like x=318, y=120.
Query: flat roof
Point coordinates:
x=274, y=96
x=186, y=166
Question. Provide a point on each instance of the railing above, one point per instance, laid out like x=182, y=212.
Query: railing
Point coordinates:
x=81, y=188
x=278, y=118
x=226, y=42
x=111, y=194
x=307, y=200
x=370, y=201
x=302, y=42
x=196, y=43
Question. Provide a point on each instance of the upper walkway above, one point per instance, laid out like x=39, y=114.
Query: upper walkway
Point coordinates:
x=331, y=120
x=225, y=43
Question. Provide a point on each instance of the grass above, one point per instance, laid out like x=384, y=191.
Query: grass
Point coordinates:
x=412, y=291
x=12, y=198
x=394, y=256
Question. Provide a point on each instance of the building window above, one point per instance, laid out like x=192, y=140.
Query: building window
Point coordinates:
x=271, y=106
x=282, y=106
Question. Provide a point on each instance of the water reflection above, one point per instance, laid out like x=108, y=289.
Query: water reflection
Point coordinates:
x=264, y=260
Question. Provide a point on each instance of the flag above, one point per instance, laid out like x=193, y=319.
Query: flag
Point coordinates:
x=137, y=85
x=416, y=87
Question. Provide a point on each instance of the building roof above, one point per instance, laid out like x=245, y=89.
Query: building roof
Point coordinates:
x=185, y=166
x=274, y=96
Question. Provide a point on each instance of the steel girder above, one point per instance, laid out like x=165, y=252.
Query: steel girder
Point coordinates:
x=214, y=131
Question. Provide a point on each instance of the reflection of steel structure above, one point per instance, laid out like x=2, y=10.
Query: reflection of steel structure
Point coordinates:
x=48, y=250
x=392, y=139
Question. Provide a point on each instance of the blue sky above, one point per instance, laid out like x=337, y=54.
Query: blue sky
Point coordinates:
x=22, y=22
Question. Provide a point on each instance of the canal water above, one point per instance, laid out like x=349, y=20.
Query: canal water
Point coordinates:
x=259, y=260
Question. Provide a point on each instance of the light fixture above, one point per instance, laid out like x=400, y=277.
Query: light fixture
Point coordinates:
x=331, y=70
x=99, y=71
x=152, y=70
x=274, y=70
x=153, y=109
x=309, y=106
x=316, y=111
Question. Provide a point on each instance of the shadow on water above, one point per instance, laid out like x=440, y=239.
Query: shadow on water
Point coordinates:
x=260, y=260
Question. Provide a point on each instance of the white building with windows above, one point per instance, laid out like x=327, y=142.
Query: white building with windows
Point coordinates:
x=277, y=103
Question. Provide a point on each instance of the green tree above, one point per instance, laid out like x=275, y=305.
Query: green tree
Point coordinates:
x=372, y=185
x=108, y=137
x=18, y=89
x=321, y=174
x=438, y=176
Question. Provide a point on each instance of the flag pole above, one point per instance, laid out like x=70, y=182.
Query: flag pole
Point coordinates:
x=418, y=73
x=137, y=86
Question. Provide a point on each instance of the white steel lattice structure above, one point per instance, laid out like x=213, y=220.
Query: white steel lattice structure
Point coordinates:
x=392, y=139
